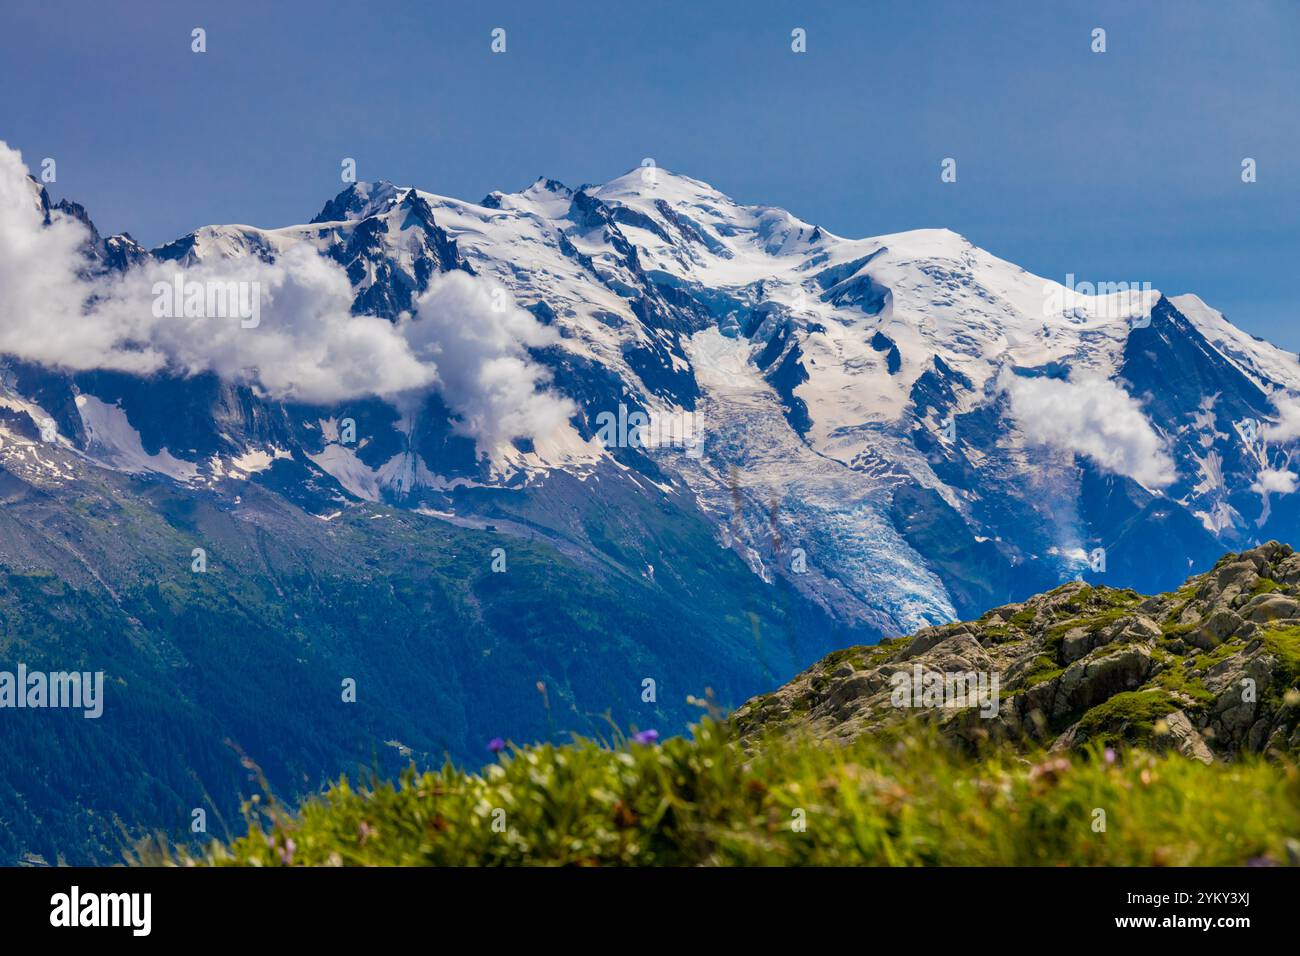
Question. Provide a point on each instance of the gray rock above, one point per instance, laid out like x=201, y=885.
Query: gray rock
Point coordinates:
x=1288, y=571
x=1076, y=643
x=1092, y=680
x=1079, y=642
x=1232, y=579
x=1270, y=607
x=1218, y=627
x=1186, y=739
x=929, y=637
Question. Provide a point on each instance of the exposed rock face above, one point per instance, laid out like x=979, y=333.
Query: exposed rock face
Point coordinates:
x=1210, y=670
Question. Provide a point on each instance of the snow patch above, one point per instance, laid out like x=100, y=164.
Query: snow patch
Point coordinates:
x=112, y=440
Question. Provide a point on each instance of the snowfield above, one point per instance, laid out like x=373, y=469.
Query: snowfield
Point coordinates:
x=929, y=426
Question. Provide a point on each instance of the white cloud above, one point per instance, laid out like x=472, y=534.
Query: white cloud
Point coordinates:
x=306, y=346
x=477, y=336
x=1093, y=417
x=1288, y=423
x=1276, y=480
x=42, y=299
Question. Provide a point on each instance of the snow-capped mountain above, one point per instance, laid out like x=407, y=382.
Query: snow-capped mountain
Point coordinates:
x=902, y=428
x=560, y=457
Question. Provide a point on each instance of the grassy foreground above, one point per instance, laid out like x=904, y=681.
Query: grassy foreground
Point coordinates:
x=703, y=801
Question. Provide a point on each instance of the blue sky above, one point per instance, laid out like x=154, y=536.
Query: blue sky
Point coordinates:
x=1122, y=166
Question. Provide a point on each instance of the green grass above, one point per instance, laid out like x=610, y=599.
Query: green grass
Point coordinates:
x=703, y=801
x=1284, y=644
x=1176, y=631
x=1128, y=716
x=1116, y=597
x=1175, y=677
x=1044, y=668
x=1206, y=660
x=1024, y=618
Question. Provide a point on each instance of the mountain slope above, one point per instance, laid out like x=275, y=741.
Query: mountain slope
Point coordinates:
x=248, y=657
x=823, y=373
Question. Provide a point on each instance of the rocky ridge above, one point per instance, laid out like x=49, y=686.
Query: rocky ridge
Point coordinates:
x=1210, y=670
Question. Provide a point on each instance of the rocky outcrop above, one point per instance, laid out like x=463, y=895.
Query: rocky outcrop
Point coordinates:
x=1210, y=670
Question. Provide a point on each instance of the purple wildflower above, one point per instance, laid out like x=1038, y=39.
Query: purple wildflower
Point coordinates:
x=496, y=745
x=646, y=736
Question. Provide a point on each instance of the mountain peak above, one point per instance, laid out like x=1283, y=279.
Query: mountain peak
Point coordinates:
x=360, y=200
x=649, y=181
x=546, y=184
